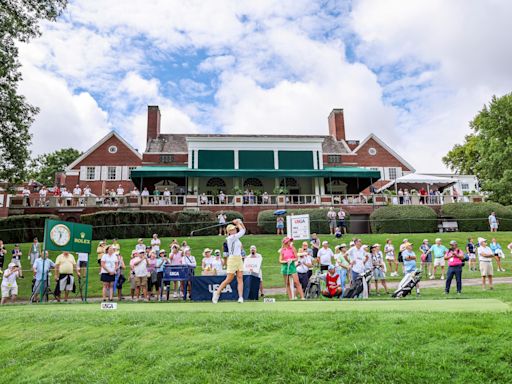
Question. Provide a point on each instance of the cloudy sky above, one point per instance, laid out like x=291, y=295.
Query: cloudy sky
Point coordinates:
x=413, y=72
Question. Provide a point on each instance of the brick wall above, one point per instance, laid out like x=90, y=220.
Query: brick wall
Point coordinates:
x=101, y=156
x=152, y=159
x=382, y=159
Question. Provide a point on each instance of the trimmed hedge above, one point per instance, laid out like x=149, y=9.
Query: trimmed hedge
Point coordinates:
x=403, y=219
x=317, y=218
x=474, y=217
x=23, y=228
x=133, y=224
x=129, y=224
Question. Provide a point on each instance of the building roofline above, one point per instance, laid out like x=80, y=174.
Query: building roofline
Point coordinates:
x=383, y=144
x=97, y=145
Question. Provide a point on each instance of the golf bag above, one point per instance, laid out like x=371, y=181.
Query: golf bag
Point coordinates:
x=407, y=284
x=313, y=288
x=357, y=286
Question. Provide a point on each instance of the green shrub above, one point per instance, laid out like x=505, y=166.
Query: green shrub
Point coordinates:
x=473, y=217
x=403, y=218
x=23, y=228
x=317, y=218
x=129, y=224
x=133, y=224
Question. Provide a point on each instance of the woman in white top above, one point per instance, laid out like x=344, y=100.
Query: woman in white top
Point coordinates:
x=189, y=261
x=325, y=256
x=217, y=262
x=109, y=265
x=207, y=262
x=235, y=265
x=155, y=243
x=389, y=251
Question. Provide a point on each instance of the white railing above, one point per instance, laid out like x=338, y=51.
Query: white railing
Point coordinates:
x=35, y=201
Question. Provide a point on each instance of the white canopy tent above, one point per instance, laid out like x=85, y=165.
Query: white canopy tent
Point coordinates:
x=418, y=180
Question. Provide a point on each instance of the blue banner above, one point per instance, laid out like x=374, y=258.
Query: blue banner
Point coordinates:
x=176, y=273
x=204, y=286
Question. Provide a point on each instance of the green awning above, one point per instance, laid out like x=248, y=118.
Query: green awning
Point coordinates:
x=163, y=172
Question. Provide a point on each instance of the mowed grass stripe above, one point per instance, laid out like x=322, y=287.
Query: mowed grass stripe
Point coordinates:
x=411, y=305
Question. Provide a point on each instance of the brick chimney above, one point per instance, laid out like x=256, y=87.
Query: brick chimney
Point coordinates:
x=153, y=122
x=337, y=124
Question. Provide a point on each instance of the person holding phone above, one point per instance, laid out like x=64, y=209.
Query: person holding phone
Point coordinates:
x=9, y=284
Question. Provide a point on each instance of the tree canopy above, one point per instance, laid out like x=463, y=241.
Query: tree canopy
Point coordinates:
x=487, y=152
x=45, y=166
x=18, y=24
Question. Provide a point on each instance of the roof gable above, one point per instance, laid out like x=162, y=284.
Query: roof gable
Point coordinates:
x=96, y=146
x=386, y=147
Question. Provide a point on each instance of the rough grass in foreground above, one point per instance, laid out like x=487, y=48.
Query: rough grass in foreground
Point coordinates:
x=154, y=343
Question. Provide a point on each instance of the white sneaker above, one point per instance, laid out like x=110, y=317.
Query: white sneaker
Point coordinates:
x=442, y=277
x=175, y=295
x=431, y=277
x=215, y=298
x=240, y=300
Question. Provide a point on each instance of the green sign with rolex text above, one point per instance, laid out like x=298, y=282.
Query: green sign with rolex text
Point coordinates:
x=67, y=236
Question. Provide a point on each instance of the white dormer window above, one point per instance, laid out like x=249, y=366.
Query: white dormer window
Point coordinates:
x=372, y=151
x=112, y=149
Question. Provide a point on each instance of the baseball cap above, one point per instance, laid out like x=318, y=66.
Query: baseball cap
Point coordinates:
x=481, y=239
x=217, y=251
x=438, y=239
x=453, y=242
x=252, y=247
x=162, y=251
x=343, y=245
x=142, y=251
x=425, y=240
x=352, y=243
x=376, y=245
x=286, y=240
x=325, y=242
x=11, y=265
x=408, y=244
x=331, y=267
x=207, y=250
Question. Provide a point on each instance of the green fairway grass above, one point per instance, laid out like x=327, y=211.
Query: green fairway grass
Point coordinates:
x=399, y=341
x=268, y=246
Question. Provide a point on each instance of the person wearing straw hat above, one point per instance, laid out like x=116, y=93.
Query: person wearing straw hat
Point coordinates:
x=287, y=258
x=218, y=262
x=9, y=284
x=485, y=255
x=207, y=262
x=100, y=250
x=235, y=264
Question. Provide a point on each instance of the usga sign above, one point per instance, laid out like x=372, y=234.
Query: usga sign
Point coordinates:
x=108, y=306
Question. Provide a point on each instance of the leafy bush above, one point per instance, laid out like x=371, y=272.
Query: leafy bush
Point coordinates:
x=473, y=217
x=129, y=224
x=317, y=218
x=133, y=224
x=23, y=228
x=403, y=218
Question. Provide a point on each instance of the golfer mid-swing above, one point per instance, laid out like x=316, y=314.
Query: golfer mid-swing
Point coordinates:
x=235, y=264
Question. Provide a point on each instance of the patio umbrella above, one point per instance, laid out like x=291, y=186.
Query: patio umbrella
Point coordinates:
x=280, y=212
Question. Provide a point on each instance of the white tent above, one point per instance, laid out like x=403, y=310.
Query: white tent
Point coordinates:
x=416, y=180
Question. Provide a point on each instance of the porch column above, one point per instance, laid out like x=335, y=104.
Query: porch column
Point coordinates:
x=322, y=186
x=236, y=158
x=276, y=159
x=316, y=186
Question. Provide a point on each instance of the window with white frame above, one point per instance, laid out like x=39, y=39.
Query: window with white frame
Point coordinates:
x=392, y=173
x=91, y=173
x=130, y=169
x=464, y=186
x=334, y=159
x=111, y=173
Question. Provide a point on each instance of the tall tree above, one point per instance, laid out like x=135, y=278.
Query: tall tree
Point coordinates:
x=45, y=166
x=487, y=152
x=18, y=24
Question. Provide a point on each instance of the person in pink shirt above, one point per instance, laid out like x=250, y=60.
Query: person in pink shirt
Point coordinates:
x=287, y=258
x=455, y=258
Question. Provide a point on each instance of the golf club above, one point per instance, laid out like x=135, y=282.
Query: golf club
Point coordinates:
x=202, y=229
